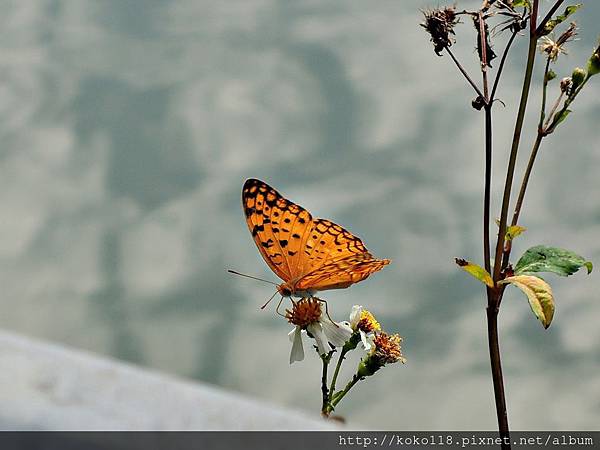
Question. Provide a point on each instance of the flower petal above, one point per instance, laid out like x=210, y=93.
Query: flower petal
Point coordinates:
x=336, y=334
x=367, y=341
x=297, y=353
x=316, y=330
x=355, y=316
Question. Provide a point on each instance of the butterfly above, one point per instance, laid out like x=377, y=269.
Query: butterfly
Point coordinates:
x=308, y=254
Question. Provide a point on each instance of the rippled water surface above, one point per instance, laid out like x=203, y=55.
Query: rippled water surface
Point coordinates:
x=128, y=129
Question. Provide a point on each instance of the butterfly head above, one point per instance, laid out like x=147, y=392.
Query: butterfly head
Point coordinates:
x=285, y=290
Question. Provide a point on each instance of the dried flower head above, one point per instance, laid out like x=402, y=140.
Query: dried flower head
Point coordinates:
x=440, y=24
x=553, y=48
x=565, y=85
x=387, y=348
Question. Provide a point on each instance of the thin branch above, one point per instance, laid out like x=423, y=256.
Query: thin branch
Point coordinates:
x=544, y=95
x=484, y=61
x=553, y=110
x=464, y=72
x=488, y=184
x=501, y=66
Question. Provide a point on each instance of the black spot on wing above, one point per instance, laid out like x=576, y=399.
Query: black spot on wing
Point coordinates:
x=257, y=229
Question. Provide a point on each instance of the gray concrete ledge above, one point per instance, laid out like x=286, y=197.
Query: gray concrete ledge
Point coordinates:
x=45, y=386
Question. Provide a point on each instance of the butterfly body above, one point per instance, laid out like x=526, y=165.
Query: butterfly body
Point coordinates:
x=308, y=254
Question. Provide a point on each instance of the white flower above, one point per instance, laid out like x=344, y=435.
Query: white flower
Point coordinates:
x=365, y=323
x=321, y=328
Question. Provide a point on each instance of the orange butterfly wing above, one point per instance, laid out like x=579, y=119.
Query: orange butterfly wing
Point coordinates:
x=338, y=259
x=312, y=254
x=278, y=227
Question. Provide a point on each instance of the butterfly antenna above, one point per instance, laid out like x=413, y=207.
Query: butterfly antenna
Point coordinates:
x=250, y=276
x=268, y=301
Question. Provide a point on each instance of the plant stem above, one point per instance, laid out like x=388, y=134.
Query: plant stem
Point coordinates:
x=501, y=66
x=526, y=175
x=544, y=95
x=464, y=72
x=538, y=140
x=488, y=144
x=495, y=295
x=325, y=392
x=336, y=372
x=340, y=395
x=496, y=366
x=535, y=148
x=547, y=17
x=515, y=146
x=488, y=184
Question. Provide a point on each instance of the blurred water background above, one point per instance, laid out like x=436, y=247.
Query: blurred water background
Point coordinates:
x=129, y=127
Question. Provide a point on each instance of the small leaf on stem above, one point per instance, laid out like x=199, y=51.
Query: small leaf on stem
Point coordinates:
x=551, y=259
x=553, y=23
x=477, y=271
x=539, y=294
x=593, y=64
x=521, y=4
x=513, y=231
x=560, y=116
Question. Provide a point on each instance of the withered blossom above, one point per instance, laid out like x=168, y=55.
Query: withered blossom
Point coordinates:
x=553, y=48
x=440, y=24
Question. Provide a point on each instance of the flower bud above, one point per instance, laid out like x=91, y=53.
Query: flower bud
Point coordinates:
x=577, y=78
x=593, y=65
x=368, y=366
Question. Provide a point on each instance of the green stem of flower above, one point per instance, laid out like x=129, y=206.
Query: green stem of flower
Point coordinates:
x=336, y=372
x=341, y=394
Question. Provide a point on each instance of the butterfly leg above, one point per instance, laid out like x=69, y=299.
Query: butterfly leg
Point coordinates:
x=278, y=305
x=326, y=309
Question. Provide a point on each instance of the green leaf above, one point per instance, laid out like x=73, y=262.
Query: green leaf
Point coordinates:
x=560, y=116
x=477, y=271
x=551, y=259
x=539, y=294
x=553, y=23
x=551, y=75
x=521, y=4
x=513, y=231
